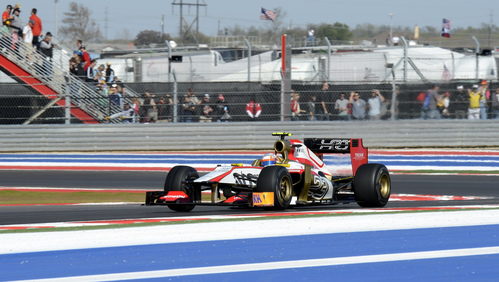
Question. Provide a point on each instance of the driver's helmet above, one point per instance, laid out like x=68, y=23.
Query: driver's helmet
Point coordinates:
x=269, y=159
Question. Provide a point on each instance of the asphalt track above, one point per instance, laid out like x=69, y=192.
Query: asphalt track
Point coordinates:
x=457, y=185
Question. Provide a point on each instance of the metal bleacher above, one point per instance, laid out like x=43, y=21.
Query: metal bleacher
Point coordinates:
x=52, y=79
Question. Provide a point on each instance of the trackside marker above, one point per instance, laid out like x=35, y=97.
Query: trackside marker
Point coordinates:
x=282, y=265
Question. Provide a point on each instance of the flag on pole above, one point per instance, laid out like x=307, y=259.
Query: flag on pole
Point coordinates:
x=268, y=15
x=445, y=28
x=446, y=75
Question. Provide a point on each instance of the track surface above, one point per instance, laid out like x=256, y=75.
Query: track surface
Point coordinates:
x=401, y=184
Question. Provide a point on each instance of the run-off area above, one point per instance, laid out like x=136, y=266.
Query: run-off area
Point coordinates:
x=451, y=246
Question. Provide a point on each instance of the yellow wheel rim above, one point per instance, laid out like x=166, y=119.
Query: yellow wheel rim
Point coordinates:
x=285, y=188
x=384, y=186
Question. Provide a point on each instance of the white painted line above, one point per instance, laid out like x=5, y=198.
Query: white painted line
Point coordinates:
x=281, y=265
x=224, y=230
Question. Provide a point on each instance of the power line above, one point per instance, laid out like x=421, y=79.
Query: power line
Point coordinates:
x=181, y=5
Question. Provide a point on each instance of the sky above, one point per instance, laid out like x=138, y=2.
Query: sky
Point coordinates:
x=125, y=18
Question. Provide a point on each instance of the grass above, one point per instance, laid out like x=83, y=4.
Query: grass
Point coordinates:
x=13, y=197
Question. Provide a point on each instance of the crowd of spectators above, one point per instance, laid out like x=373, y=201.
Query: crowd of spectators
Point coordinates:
x=475, y=102
x=325, y=106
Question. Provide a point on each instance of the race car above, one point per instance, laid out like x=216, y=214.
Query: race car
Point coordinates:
x=294, y=174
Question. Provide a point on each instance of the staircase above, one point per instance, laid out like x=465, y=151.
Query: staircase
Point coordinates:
x=53, y=80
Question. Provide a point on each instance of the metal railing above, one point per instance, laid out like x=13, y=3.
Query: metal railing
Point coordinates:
x=52, y=74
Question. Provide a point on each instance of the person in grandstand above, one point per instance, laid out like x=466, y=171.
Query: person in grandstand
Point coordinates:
x=474, y=96
x=126, y=116
x=6, y=16
x=222, y=109
x=375, y=103
x=341, y=107
x=358, y=106
x=253, y=109
x=37, y=27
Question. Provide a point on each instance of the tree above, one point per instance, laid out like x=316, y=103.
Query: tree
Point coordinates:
x=337, y=31
x=147, y=37
x=78, y=24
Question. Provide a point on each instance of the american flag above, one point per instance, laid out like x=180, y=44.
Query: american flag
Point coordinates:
x=446, y=75
x=268, y=15
x=445, y=28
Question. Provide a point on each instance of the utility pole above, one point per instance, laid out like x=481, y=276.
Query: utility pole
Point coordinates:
x=491, y=22
x=181, y=5
x=106, y=20
x=56, y=19
x=162, y=25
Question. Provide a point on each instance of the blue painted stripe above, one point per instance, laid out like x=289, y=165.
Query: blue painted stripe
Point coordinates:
x=241, y=251
x=471, y=268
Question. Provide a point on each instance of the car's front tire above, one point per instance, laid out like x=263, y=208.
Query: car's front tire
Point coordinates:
x=372, y=185
x=276, y=179
x=175, y=181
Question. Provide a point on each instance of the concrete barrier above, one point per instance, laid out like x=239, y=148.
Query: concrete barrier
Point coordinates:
x=244, y=135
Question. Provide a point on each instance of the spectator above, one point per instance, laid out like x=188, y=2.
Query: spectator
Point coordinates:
x=325, y=96
x=115, y=98
x=358, y=106
x=253, y=109
x=149, y=111
x=16, y=27
x=6, y=17
x=37, y=27
x=444, y=105
x=474, y=96
x=206, y=109
x=85, y=58
x=341, y=107
x=222, y=109
x=375, y=105
x=460, y=103
x=164, y=106
x=429, y=109
x=90, y=71
x=136, y=108
x=76, y=68
x=28, y=39
x=311, y=109
x=126, y=116
x=495, y=103
x=483, y=100
x=296, y=110
x=109, y=73
x=47, y=49
x=188, y=109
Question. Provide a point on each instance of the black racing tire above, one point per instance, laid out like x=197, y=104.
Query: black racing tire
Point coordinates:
x=175, y=181
x=278, y=180
x=372, y=185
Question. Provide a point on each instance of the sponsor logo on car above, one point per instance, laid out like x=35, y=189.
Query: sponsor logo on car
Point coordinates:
x=263, y=199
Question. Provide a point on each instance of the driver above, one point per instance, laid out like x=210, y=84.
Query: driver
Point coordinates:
x=269, y=159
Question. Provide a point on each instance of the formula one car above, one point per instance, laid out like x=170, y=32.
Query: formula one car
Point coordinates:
x=294, y=174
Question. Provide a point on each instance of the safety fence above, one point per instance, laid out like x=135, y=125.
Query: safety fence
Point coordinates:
x=243, y=135
x=231, y=102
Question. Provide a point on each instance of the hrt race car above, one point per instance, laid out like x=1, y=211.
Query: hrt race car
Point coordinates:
x=294, y=174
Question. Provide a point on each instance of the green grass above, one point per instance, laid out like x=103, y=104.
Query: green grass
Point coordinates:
x=13, y=197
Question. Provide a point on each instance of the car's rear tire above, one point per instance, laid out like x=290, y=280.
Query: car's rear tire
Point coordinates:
x=278, y=180
x=175, y=181
x=372, y=185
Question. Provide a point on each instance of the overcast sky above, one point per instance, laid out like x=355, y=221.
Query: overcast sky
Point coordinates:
x=135, y=15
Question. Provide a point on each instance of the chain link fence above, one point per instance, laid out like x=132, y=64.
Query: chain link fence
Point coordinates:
x=232, y=102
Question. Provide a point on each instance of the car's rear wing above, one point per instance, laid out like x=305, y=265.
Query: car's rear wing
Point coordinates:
x=353, y=146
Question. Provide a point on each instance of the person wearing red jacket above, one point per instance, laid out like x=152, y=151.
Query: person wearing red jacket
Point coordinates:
x=6, y=17
x=37, y=27
x=253, y=109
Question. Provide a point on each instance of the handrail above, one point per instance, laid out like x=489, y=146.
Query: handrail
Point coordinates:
x=53, y=75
